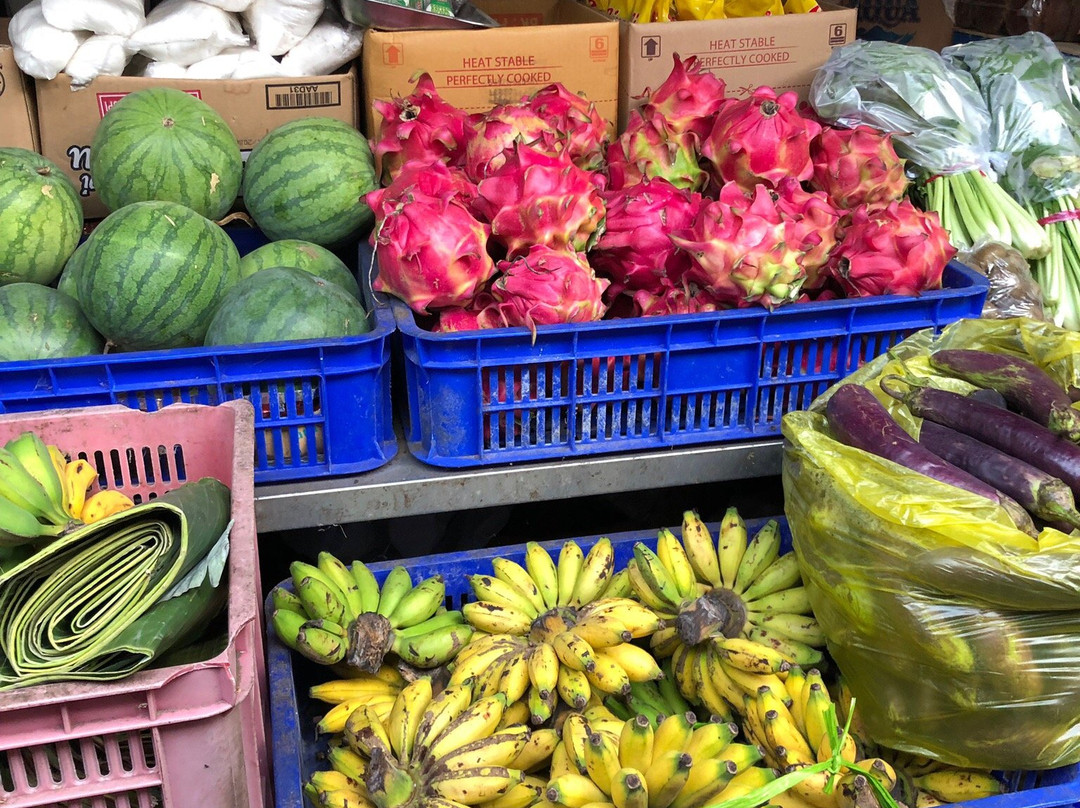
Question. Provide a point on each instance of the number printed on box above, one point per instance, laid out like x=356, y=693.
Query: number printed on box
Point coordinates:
x=838, y=34
x=598, y=48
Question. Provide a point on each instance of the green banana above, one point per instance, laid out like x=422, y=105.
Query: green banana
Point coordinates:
x=419, y=603
x=798, y=652
x=322, y=641
x=395, y=586
x=762, y=550
x=33, y=455
x=655, y=576
x=436, y=621
x=368, y=586
x=790, y=601
x=803, y=628
x=781, y=574
x=336, y=571
x=282, y=598
x=19, y=526
x=434, y=648
x=20, y=488
x=320, y=600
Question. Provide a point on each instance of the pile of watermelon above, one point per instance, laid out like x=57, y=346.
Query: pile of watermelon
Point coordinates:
x=160, y=272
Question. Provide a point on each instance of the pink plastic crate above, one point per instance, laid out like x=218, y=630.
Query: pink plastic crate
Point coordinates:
x=188, y=736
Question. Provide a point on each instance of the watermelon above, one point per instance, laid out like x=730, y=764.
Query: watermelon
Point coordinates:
x=285, y=303
x=301, y=255
x=41, y=217
x=307, y=180
x=39, y=322
x=164, y=144
x=154, y=274
x=67, y=284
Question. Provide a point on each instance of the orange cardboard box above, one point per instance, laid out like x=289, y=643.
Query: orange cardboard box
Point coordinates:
x=18, y=121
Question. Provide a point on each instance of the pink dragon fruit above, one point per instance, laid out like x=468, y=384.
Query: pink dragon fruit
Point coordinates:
x=740, y=251
x=479, y=313
x=547, y=286
x=762, y=138
x=684, y=298
x=539, y=198
x=857, y=167
x=432, y=252
x=894, y=250
x=688, y=99
x=427, y=179
x=634, y=249
x=420, y=126
x=498, y=131
x=575, y=122
x=650, y=148
x=811, y=226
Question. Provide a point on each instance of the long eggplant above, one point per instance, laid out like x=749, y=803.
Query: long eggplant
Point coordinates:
x=858, y=419
x=1040, y=493
x=1012, y=433
x=1027, y=387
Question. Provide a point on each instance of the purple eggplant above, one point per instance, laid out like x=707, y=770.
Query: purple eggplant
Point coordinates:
x=1010, y=432
x=989, y=396
x=1040, y=493
x=1025, y=386
x=858, y=419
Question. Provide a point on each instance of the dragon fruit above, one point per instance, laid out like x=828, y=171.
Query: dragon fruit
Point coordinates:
x=432, y=252
x=547, y=286
x=420, y=126
x=650, y=148
x=540, y=198
x=811, y=226
x=427, y=179
x=740, y=251
x=762, y=139
x=688, y=99
x=499, y=130
x=894, y=250
x=634, y=248
x=684, y=298
x=575, y=121
x=857, y=167
x=479, y=313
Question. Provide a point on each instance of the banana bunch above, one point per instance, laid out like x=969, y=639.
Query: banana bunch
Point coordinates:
x=556, y=630
x=658, y=699
x=434, y=751
x=338, y=614
x=674, y=765
x=377, y=690
x=33, y=496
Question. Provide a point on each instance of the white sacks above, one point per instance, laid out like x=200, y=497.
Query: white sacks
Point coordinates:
x=277, y=26
x=236, y=63
x=41, y=50
x=329, y=45
x=97, y=56
x=112, y=17
x=187, y=31
x=164, y=70
x=230, y=5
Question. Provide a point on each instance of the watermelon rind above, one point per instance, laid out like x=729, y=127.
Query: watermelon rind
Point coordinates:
x=301, y=255
x=282, y=304
x=153, y=275
x=38, y=322
x=67, y=280
x=307, y=179
x=41, y=217
x=163, y=144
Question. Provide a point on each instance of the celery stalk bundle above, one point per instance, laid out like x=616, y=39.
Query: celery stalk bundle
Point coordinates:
x=940, y=125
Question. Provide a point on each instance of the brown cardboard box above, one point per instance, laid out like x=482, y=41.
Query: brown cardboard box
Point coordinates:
x=18, y=123
x=251, y=107
x=782, y=52
x=923, y=23
x=539, y=42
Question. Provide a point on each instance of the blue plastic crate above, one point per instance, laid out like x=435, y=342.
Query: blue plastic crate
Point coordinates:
x=293, y=715
x=322, y=407
x=488, y=397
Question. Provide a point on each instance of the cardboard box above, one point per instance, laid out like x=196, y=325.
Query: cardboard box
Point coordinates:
x=539, y=42
x=18, y=121
x=251, y=107
x=923, y=23
x=782, y=52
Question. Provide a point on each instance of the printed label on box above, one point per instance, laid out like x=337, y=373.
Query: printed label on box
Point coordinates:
x=303, y=96
x=499, y=71
x=107, y=100
x=599, y=48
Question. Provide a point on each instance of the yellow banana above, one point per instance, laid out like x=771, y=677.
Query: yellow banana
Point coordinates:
x=541, y=707
x=813, y=790
x=474, y=786
x=601, y=631
x=664, y=642
x=343, y=798
x=656, y=577
x=364, y=732
x=575, y=736
x=639, y=664
x=762, y=551
x=573, y=651
x=608, y=676
x=666, y=776
x=673, y=556
x=596, y=570
x=495, y=590
x=367, y=586
x=749, y=656
x=628, y=789
x=601, y=759
x=79, y=475
x=638, y=619
x=500, y=748
x=673, y=734
x=707, y=777
x=444, y=708
x=515, y=678
x=104, y=503
x=331, y=780
x=406, y=714
x=711, y=739
x=538, y=749
x=716, y=689
x=514, y=714
x=541, y=568
x=794, y=651
x=618, y=586
x=644, y=591
x=518, y=577
x=731, y=546
x=543, y=666
x=497, y=619
x=815, y=706
x=636, y=743
x=477, y=721
x=574, y=687
x=743, y=783
x=700, y=550
x=523, y=795
x=560, y=762
x=345, y=760
x=794, y=684
x=959, y=785
x=571, y=560
x=785, y=740
x=333, y=721
x=574, y=790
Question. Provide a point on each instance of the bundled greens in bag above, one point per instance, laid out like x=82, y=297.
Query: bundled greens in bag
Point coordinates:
x=958, y=634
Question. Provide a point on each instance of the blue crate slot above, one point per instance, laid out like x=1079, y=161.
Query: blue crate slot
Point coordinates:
x=293, y=715
x=322, y=407
x=488, y=397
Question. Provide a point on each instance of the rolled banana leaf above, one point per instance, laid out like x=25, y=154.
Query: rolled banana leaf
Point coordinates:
x=99, y=603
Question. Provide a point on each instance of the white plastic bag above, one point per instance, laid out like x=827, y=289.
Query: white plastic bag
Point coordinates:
x=187, y=31
x=277, y=26
x=236, y=63
x=98, y=56
x=164, y=70
x=236, y=6
x=40, y=49
x=114, y=17
x=329, y=45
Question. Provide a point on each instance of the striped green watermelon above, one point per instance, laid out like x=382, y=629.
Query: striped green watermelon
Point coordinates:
x=41, y=218
x=154, y=274
x=161, y=143
x=307, y=180
x=67, y=284
x=39, y=322
x=303, y=255
x=284, y=303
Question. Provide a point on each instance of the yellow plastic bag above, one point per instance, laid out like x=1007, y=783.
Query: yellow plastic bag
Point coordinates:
x=700, y=10
x=753, y=8
x=800, y=6
x=958, y=634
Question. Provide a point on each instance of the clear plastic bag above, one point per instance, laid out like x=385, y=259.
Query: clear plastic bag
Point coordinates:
x=1013, y=290
x=958, y=634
